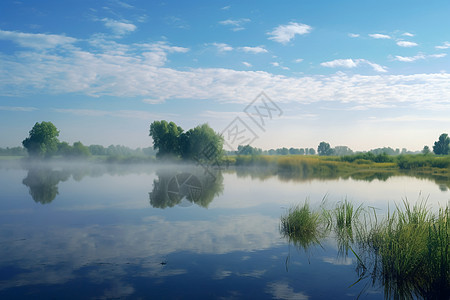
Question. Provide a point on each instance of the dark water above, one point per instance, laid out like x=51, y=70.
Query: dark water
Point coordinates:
x=160, y=232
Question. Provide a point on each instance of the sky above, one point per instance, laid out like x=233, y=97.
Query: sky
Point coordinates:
x=364, y=74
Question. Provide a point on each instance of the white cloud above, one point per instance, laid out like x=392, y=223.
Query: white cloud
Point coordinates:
x=298, y=60
x=345, y=63
x=226, y=7
x=222, y=47
x=36, y=40
x=285, y=33
x=418, y=57
x=439, y=55
x=409, y=58
x=275, y=64
x=350, y=63
x=133, y=114
x=17, y=108
x=119, y=28
x=353, y=35
x=445, y=45
x=254, y=50
x=131, y=73
x=236, y=25
x=406, y=44
x=380, y=36
x=246, y=64
x=408, y=34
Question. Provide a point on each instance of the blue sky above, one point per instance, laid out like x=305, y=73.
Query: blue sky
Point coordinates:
x=364, y=74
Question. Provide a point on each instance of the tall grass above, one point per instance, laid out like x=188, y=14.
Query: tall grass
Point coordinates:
x=302, y=226
x=407, y=252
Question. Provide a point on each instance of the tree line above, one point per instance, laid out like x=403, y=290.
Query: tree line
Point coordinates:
x=200, y=143
x=43, y=142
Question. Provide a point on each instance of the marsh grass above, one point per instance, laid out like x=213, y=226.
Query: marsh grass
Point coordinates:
x=302, y=226
x=406, y=252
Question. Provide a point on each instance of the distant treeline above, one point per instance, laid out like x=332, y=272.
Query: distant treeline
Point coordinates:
x=337, y=151
x=77, y=149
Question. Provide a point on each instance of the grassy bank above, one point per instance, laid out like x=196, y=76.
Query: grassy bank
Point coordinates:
x=342, y=164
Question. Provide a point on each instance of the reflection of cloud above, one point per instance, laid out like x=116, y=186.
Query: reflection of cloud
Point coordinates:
x=221, y=274
x=65, y=251
x=254, y=273
x=343, y=261
x=281, y=290
x=119, y=290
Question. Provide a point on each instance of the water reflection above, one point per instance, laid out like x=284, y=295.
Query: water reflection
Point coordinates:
x=263, y=173
x=193, y=185
x=43, y=183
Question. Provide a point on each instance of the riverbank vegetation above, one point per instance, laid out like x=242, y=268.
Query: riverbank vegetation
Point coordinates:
x=406, y=252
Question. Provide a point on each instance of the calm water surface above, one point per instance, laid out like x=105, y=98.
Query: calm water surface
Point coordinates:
x=160, y=232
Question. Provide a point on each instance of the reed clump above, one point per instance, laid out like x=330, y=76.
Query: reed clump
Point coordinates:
x=409, y=251
x=302, y=226
x=406, y=252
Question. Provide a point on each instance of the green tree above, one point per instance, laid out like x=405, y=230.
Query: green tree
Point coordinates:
x=441, y=146
x=201, y=143
x=426, y=150
x=80, y=150
x=324, y=149
x=166, y=138
x=42, y=140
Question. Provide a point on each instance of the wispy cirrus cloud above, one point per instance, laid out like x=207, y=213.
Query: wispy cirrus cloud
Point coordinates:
x=406, y=44
x=353, y=35
x=235, y=25
x=222, y=47
x=37, y=40
x=119, y=27
x=247, y=64
x=408, y=34
x=353, y=63
x=445, y=45
x=285, y=33
x=419, y=56
x=380, y=36
x=254, y=50
x=134, y=72
x=17, y=108
x=133, y=114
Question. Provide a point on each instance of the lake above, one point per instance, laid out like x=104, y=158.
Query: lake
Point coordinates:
x=102, y=231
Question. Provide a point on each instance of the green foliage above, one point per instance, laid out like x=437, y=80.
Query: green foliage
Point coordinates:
x=324, y=149
x=409, y=253
x=442, y=146
x=42, y=140
x=14, y=151
x=166, y=138
x=201, y=143
x=248, y=150
x=426, y=150
x=302, y=226
x=367, y=157
x=411, y=162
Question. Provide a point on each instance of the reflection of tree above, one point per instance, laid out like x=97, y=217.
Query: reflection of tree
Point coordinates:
x=193, y=185
x=43, y=183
